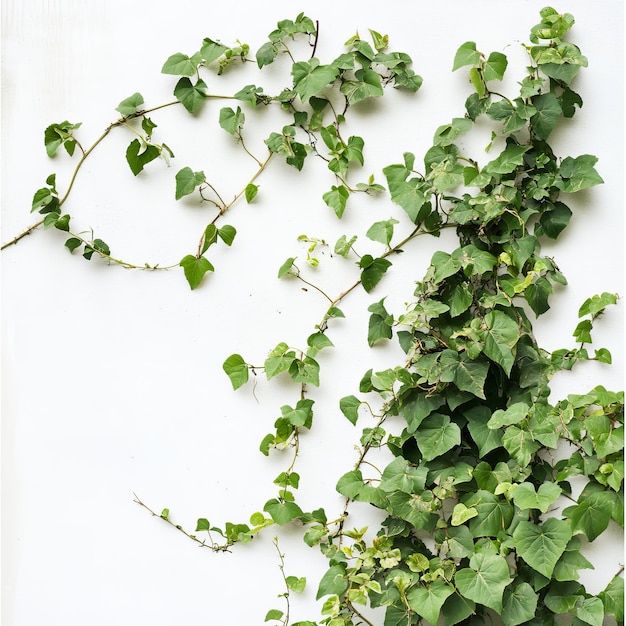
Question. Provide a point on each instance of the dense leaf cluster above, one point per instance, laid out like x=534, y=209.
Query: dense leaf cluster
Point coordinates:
x=482, y=520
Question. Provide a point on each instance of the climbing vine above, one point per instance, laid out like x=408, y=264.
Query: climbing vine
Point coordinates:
x=489, y=487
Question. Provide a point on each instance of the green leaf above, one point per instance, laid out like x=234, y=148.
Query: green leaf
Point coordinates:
x=485, y=580
x=282, y=512
x=460, y=299
x=572, y=560
x=495, y=66
x=251, y=192
x=138, y=155
x=466, y=55
x=373, y=273
x=285, y=268
x=72, y=243
x=309, y=77
x=252, y=95
x=306, y=370
x=578, y=173
x=525, y=496
x=520, y=604
x=296, y=584
x=436, y=435
x=514, y=414
x=187, y=180
x=445, y=265
x=467, y=374
x=379, y=327
x=350, y=484
x=596, y=304
x=211, y=50
x=57, y=135
x=227, y=234
x=400, y=475
x=454, y=611
x=279, y=360
x=273, y=614
x=147, y=125
x=547, y=115
x=613, y=598
x=541, y=545
x=237, y=370
x=344, y=245
x=500, y=335
x=180, y=64
x=191, y=96
x=130, y=105
x=553, y=221
x=195, y=268
x=349, y=406
x=449, y=133
x=427, y=601
x=590, y=611
x=334, y=582
x=592, y=515
x=537, y=295
x=494, y=513
x=508, y=160
x=485, y=438
x=520, y=444
x=366, y=85
x=382, y=231
x=231, y=121
x=337, y=199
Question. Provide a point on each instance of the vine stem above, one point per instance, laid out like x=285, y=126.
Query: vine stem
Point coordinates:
x=203, y=544
x=27, y=232
x=226, y=207
x=358, y=614
x=281, y=567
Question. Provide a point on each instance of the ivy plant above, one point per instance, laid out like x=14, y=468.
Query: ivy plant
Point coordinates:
x=483, y=518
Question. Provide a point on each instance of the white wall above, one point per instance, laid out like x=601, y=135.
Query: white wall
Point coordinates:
x=112, y=380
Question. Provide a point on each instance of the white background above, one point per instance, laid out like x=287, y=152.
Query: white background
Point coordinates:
x=112, y=379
